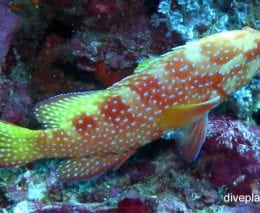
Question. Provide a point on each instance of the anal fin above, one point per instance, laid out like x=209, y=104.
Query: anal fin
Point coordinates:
x=86, y=168
x=192, y=139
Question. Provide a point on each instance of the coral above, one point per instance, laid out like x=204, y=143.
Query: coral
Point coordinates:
x=9, y=24
x=115, y=56
x=190, y=18
x=255, y=88
x=38, y=207
x=244, y=100
x=100, y=7
x=129, y=205
x=53, y=47
x=241, y=11
x=243, y=104
x=15, y=95
x=139, y=171
x=234, y=154
x=107, y=59
x=247, y=98
x=185, y=19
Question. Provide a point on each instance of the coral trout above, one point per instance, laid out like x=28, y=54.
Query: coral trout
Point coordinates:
x=96, y=131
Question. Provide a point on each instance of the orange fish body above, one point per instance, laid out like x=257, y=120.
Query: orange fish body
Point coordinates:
x=99, y=130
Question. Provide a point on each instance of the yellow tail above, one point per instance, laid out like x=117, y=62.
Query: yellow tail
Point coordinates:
x=17, y=145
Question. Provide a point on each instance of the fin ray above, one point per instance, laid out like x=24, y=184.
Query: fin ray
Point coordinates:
x=147, y=62
x=17, y=145
x=144, y=64
x=86, y=168
x=191, y=141
x=57, y=111
x=182, y=115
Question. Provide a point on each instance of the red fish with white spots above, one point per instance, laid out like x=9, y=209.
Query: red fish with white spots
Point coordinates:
x=99, y=130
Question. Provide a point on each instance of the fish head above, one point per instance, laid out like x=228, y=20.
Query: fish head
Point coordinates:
x=240, y=60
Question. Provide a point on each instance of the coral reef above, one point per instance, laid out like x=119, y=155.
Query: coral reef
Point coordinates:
x=244, y=100
x=156, y=179
x=9, y=24
x=14, y=90
x=236, y=149
x=15, y=94
x=52, y=47
x=190, y=15
x=192, y=18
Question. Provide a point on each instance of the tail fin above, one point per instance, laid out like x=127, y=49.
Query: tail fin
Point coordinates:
x=17, y=145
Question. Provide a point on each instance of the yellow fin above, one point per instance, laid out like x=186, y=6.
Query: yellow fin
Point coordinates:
x=178, y=48
x=86, y=168
x=56, y=112
x=144, y=64
x=183, y=115
x=17, y=145
x=147, y=62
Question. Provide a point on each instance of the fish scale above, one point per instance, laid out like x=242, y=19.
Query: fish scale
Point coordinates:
x=96, y=131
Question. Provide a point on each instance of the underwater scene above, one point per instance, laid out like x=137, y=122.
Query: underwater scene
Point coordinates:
x=129, y=106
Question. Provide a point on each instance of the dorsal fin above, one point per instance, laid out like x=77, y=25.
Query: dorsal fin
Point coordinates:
x=144, y=64
x=57, y=111
x=175, y=50
x=147, y=62
x=178, y=47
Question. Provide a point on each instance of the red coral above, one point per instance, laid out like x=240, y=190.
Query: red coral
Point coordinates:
x=133, y=205
x=107, y=58
x=99, y=7
x=228, y=172
x=233, y=157
x=107, y=76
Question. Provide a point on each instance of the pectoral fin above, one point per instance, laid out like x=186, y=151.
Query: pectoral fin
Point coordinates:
x=181, y=116
x=192, y=139
x=85, y=168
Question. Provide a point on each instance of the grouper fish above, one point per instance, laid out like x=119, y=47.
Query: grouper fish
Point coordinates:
x=98, y=130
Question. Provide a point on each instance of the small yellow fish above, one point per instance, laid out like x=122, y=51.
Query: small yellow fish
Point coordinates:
x=99, y=130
